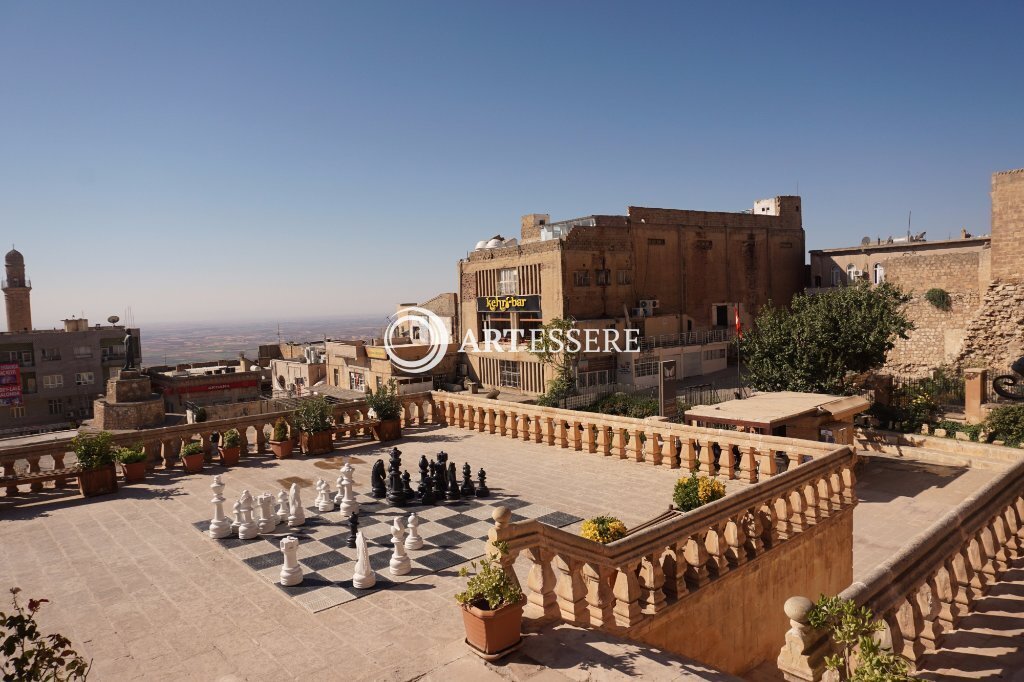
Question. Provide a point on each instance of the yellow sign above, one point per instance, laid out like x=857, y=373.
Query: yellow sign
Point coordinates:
x=504, y=304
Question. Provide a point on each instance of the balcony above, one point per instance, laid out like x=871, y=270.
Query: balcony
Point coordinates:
x=9, y=283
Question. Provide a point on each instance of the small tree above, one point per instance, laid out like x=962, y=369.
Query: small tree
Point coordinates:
x=861, y=658
x=823, y=340
x=551, y=346
x=27, y=654
x=313, y=415
x=385, y=402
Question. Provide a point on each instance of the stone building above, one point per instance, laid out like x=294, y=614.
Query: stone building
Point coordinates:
x=676, y=276
x=50, y=377
x=203, y=385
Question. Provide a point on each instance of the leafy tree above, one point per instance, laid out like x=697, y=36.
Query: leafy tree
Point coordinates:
x=553, y=347
x=861, y=658
x=823, y=340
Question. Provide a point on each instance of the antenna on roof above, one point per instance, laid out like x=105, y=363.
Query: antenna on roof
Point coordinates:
x=910, y=213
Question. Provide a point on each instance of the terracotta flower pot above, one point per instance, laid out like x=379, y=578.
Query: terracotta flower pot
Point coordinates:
x=193, y=463
x=493, y=634
x=101, y=481
x=229, y=456
x=317, y=443
x=134, y=472
x=387, y=430
x=282, y=449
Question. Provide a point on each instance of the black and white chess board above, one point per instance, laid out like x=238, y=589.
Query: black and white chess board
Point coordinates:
x=452, y=532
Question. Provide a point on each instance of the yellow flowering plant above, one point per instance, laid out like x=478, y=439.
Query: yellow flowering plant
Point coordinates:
x=603, y=529
x=696, y=491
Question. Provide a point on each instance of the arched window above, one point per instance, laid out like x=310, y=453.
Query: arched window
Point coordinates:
x=837, y=276
x=879, y=273
x=849, y=272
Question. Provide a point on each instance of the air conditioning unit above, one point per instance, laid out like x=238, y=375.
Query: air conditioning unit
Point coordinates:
x=639, y=312
x=649, y=304
x=857, y=274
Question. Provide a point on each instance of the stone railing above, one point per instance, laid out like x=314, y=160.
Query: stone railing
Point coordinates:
x=734, y=455
x=927, y=588
x=162, y=445
x=621, y=585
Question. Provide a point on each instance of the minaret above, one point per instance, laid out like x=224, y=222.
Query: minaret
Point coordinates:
x=16, y=291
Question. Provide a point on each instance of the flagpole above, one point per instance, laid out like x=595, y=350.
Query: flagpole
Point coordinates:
x=739, y=333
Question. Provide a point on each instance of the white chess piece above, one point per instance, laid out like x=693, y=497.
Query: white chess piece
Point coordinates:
x=268, y=519
x=220, y=526
x=414, y=541
x=339, y=497
x=247, y=529
x=349, y=505
x=363, y=578
x=291, y=572
x=399, y=564
x=326, y=503
x=296, y=514
x=236, y=513
x=282, y=507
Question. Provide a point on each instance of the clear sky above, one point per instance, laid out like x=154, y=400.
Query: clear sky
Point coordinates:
x=279, y=159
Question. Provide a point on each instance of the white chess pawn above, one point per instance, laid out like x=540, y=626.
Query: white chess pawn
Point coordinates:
x=268, y=519
x=414, y=541
x=339, y=497
x=282, y=507
x=220, y=526
x=247, y=529
x=326, y=503
x=364, y=576
x=296, y=514
x=236, y=513
x=291, y=572
x=399, y=564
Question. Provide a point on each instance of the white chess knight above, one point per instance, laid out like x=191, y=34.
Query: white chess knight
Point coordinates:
x=400, y=564
x=414, y=541
x=282, y=507
x=291, y=572
x=296, y=514
x=247, y=529
x=268, y=519
x=324, y=501
x=220, y=526
x=363, y=578
x=349, y=505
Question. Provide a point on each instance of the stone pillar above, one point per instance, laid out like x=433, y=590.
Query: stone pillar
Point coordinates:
x=974, y=394
x=802, y=658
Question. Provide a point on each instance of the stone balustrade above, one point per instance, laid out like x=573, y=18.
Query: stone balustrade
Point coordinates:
x=621, y=585
x=732, y=455
x=163, y=445
x=925, y=590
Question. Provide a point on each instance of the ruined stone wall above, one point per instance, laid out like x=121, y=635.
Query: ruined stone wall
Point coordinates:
x=939, y=335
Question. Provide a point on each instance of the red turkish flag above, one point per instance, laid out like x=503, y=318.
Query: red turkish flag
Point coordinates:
x=739, y=327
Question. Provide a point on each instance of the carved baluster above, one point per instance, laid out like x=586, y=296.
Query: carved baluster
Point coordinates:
x=605, y=438
x=591, y=438
x=824, y=490
x=502, y=425
x=810, y=494
x=735, y=542
x=929, y=605
x=673, y=452
x=243, y=441
x=577, y=436
x=989, y=554
x=909, y=622
x=946, y=587
x=621, y=443
x=563, y=436
x=33, y=468
x=600, y=599
x=769, y=467
x=490, y=420
x=168, y=453
x=707, y=458
x=969, y=588
x=541, y=583
x=447, y=413
x=58, y=463
x=652, y=582
x=638, y=445
x=481, y=419
x=538, y=437
x=9, y=472
x=653, y=455
x=673, y=567
x=627, y=595
x=570, y=590
x=691, y=455
x=513, y=425
x=717, y=544
x=1001, y=536
x=750, y=470
x=803, y=654
x=1014, y=543
x=549, y=430
x=261, y=439
x=697, y=560
x=797, y=506
x=470, y=417
x=849, y=481
x=753, y=527
x=527, y=423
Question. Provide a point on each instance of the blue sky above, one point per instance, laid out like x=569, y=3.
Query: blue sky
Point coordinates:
x=273, y=160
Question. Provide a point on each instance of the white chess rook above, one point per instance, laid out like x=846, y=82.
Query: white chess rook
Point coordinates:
x=220, y=526
x=291, y=572
x=363, y=578
x=247, y=529
x=399, y=564
x=414, y=541
x=296, y=514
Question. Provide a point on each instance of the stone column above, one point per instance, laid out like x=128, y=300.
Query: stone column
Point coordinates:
x=974, y=394
x=802, y=658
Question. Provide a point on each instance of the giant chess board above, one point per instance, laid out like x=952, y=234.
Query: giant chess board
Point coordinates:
x=452, y=532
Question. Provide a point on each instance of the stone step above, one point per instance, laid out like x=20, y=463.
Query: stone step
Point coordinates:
x=939, y=457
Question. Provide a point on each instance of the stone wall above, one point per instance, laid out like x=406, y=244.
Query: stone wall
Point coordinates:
x=1008, y=225
x=938, y=335
x=995, y=335
x=143, y=414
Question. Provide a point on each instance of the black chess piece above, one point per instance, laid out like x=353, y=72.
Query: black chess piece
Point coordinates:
x=467, y=481
x=428, y=491
x=378, y=489
x=441, y=477
x=396, y=490
x=407, y=486
x=353, y=529
x=481, y=484
x=424, y=467
x=452, y=494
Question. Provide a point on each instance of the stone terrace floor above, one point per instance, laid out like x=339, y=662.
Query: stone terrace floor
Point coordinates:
x=137, y=589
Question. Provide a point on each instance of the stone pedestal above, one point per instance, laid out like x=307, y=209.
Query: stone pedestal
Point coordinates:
x=129, y=403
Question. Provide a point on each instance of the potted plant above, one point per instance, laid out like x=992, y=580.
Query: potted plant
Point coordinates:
x=603, y=529
x=492, y=607
x=280, y=443
x=313, y=419
x=192, y=456
x=387, y=407
x=230, y=448
x=696, y=491
x=96, y=472
x=133, y=463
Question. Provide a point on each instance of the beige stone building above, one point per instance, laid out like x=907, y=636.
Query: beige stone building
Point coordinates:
x=676, y=276
x=203, y=385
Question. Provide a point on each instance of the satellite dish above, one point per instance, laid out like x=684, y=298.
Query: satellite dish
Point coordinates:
x=866, y=241
x=113, y=319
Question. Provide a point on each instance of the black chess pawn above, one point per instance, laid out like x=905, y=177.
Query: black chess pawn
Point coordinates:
x=467, y=481
x=452, y=494
x=353, y=530
x=424, y=467
x=428, y=491
x=407, y=486
x=378, y=487
x=481, y=484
